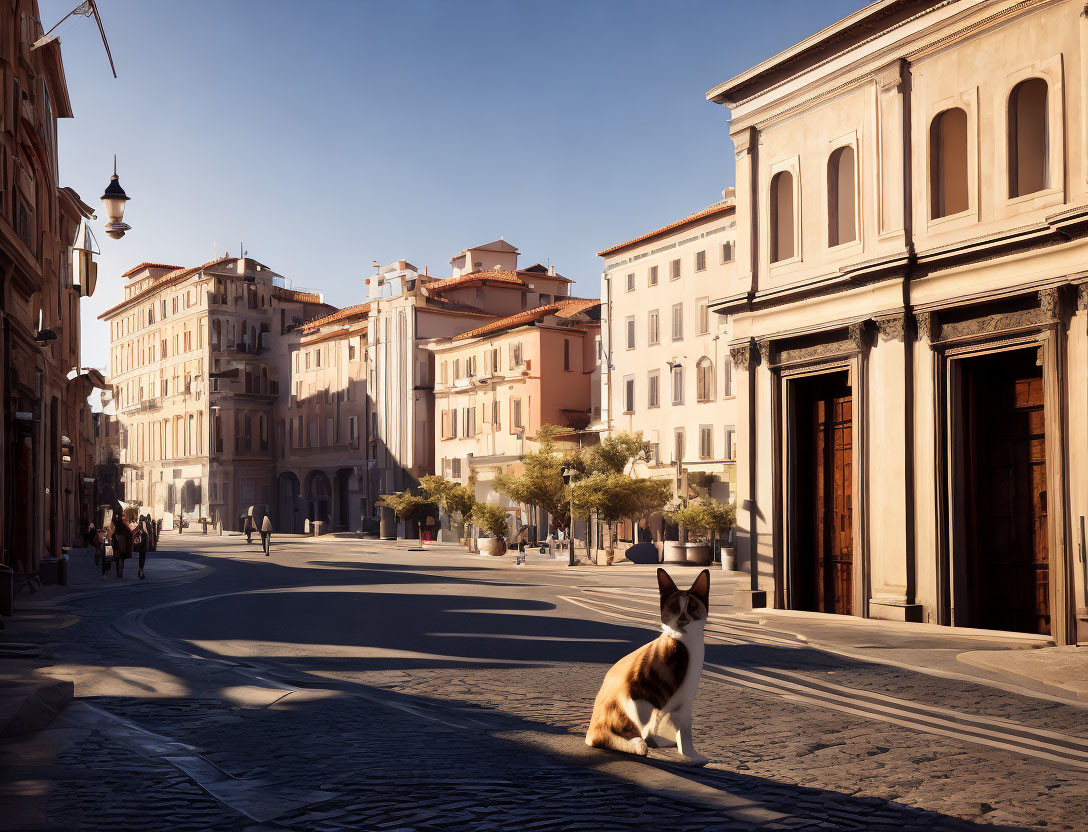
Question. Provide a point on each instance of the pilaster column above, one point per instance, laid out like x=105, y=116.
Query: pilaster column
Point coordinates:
x=745, y=359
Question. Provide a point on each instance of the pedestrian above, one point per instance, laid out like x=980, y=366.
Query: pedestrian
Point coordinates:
x=89, y=533
x=204, y=523
x=266, y=536
x=153, y=530
x=123, y=542
x=144, y=544
x=181, y=521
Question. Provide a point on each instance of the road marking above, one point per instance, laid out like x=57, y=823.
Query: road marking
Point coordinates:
x=803, y=689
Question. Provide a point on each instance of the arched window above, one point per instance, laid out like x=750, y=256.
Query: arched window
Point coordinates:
x=1028, y=138
x=782, y=216
x=841, y=224
x=948, y=163
x=704, y=380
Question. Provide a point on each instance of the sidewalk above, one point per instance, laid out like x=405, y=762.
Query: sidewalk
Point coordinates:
x=1018, y=662
x=29, y=700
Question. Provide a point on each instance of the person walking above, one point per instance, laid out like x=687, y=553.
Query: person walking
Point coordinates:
x=250, y=527
x=266, y=536
x=144, y=544
x=122, y=538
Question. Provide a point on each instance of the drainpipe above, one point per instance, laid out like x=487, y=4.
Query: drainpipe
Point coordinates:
x=608, y=349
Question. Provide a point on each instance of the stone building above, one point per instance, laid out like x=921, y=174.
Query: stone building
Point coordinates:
x=670, y=375
x=409, y=311
x=909, y=316
x=44, y=489
x=499, y=383
x=191, y=367
x=320, y=423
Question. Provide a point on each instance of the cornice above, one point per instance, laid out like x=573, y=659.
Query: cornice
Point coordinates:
x=860, y=72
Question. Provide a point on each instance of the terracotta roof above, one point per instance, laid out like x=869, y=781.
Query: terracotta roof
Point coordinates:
x=457, y=306
x=168, y=279
x=297, y=296
x=339, y=315
x=721, y=207
x=495, y=276
x=566, y=308
x=345, y=332
x=500, y=277
x=146, y=265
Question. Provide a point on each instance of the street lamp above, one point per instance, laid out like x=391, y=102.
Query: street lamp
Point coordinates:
x=114, y=199
x=569, y=473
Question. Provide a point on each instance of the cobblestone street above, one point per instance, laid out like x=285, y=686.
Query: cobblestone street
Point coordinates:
x=346, y=684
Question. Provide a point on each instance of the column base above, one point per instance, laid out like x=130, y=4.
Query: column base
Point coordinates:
x=749, y=599
x=895, y=611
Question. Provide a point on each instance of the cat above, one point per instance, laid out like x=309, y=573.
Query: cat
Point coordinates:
x=647, y=696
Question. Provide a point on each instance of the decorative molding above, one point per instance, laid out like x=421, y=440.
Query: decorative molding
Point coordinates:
x=764, y=350
x=842, y=347
x=859, y=334
x=741, y=356
x=924, y=326
x=1050, y=303
x=890, y=77
x=743, y=141
x=1082, y=296
x=893, y=327
x=998, y=322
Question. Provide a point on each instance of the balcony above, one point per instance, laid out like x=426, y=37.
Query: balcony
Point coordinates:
x=143, y=406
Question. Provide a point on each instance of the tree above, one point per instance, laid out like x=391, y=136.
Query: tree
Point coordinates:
x=491, y=519
x=457, y=500
x=407, y=506
x=540, y=482
x=615, y=496
x=706, y=517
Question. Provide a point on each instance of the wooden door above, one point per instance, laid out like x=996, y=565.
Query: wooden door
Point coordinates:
x=833, y=505
x=1013, y=557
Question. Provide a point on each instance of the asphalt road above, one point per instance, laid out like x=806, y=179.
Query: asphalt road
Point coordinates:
x=345, y=684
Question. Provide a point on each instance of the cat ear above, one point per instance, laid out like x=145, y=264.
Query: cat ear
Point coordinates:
x=665, y=583
x=701, y=588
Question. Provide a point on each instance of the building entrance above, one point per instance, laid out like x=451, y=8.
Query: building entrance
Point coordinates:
x=822, y=550
x=1006, y=573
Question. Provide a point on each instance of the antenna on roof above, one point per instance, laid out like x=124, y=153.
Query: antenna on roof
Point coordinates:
x=86, y=9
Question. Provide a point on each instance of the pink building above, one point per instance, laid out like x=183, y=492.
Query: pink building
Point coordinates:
x=497, y=384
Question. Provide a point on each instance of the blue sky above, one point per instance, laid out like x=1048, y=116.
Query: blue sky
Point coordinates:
x=326, y=134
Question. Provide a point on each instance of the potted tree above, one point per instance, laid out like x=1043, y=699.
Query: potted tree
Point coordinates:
x=703, y=518
x=407, y=506
x=455, y=499
x=492, y=522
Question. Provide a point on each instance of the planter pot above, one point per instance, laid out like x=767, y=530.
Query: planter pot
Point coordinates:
x=494, y=546
x=729, y=559
x=675, y=552
x=697, y=554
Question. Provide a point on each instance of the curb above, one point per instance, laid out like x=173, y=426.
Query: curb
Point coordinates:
x=31, y=706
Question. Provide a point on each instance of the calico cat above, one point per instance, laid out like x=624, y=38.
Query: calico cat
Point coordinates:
x=647, y=696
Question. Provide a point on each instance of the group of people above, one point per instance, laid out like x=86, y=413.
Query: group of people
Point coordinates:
x=126, y=537
x=249, y=526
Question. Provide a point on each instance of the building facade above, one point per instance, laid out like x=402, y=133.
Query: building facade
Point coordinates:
x=44, y=489
x=670, y=376
x=909, y=316
x=408, y=313
x=499, y=383
x=191, y=367
x=320, y=423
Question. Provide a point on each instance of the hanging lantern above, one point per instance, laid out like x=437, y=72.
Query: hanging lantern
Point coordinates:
x=114, y=200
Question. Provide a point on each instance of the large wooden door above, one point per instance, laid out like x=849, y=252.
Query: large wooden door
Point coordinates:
x=832, y=506
x=1011, y=560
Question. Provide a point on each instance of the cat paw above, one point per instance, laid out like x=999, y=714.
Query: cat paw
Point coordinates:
x=695, y=759
x=640, y=748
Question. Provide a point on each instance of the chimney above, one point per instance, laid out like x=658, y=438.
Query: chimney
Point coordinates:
x=729, y=195
x=551, y=271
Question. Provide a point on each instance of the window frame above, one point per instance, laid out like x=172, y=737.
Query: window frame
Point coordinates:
x=1049, y=70
x=792, y=166
x=850, y=140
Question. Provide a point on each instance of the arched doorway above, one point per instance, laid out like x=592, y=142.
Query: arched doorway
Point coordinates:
x=342, y=505
x=289, y=500
x=318, y=496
